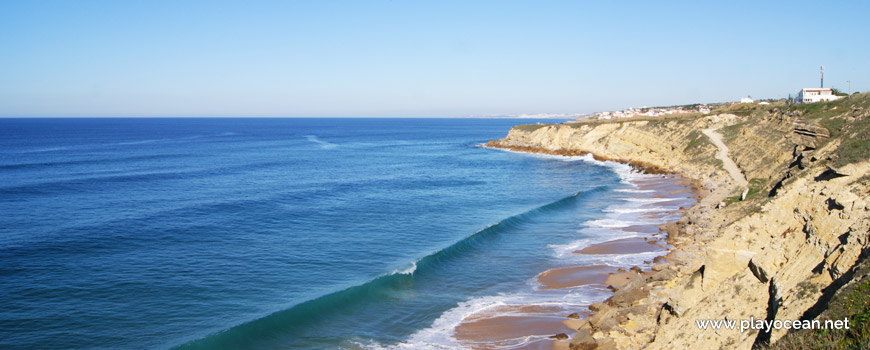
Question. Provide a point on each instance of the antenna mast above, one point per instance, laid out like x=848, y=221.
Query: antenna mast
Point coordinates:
x=823, y=77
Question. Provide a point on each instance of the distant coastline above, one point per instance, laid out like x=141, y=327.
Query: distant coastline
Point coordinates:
x=533, y=116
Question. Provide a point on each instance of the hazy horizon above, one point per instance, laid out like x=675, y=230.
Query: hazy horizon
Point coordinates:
x=409, y=59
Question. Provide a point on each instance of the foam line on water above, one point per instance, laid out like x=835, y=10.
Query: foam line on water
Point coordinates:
x=323, y=144
x=110, y=144
x=633, y=190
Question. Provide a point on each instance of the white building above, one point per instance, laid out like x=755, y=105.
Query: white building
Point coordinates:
x=813, y=95
x=746, y=100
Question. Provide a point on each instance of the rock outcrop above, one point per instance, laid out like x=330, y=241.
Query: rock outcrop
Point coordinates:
x=803, y=225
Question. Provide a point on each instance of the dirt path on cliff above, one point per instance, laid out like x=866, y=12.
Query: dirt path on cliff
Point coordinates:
x=722, y=155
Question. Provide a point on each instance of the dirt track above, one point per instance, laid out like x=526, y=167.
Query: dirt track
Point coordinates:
x=722, y=155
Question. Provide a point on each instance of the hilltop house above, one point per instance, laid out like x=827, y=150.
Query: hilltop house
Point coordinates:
x=813, y=95
x=746, y=100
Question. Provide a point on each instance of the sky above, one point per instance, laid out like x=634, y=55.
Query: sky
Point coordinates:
x=416, y=58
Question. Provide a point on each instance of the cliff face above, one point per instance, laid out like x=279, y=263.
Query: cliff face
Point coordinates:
x=778, y=254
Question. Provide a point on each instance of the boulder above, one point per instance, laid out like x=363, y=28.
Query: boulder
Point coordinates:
x=583, y=340
x=760, y=268
x=632, y=291
x=722, y=263
x=597, y=307
x=662, y=275
x=600, y=317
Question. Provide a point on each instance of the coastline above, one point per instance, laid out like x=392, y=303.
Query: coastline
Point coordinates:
x=781, y=224
x=627, y=283
x=661, y=199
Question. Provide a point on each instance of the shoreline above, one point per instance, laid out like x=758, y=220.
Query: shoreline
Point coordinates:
x=659, y=188
x=780, y=227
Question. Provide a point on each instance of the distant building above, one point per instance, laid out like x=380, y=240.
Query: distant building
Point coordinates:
x=764, y=103
x=813, y=95
x=746, y=100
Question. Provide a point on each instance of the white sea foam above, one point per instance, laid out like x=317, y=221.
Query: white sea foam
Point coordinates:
x=634, y=259
x=138, y=142
x=618, y=210
x=633, y=190
x=652, y=200
x=323, y=144
x=565, y=250
x=609, y=223
x=406, y=271
x=616, y=260
x=49, y=149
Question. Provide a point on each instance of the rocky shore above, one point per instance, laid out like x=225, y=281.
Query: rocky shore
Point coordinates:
x=775, y=246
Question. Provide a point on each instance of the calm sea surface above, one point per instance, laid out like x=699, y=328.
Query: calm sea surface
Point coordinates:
x=274, y=233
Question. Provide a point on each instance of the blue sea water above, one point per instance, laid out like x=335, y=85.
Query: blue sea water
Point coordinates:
x=277, y=233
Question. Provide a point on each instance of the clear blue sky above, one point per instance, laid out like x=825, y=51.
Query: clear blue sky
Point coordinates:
x=416, y=58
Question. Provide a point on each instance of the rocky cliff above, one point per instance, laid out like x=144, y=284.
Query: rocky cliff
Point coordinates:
x=776, y=249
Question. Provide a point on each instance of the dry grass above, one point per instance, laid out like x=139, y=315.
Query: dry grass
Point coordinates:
x=530, y=127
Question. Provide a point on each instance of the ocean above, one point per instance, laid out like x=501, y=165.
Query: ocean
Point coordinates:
x=258, y=233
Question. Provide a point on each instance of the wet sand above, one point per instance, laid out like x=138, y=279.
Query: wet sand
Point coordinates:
x=678, y=202
x=632, y=245
x=650, y=229
x=574, y=276
x=668, y=187
x=509, y=326
x=503, y=328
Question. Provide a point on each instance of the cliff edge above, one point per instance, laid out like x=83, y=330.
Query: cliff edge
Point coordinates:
x=775, y=246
